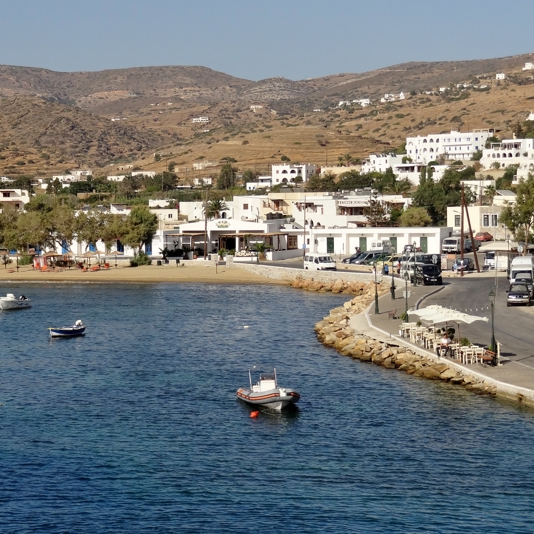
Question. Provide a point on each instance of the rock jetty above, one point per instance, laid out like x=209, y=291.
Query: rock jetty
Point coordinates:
x=335, y=331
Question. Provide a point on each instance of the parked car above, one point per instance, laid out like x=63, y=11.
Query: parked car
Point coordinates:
x=367, y=258
x=470, y=246
x=466, y=264
x=526, y=278
x=483, y=236
x=350, y=259
x=518, y=294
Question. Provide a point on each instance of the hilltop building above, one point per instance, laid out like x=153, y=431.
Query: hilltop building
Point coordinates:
x=454, y=145
x=287, y=172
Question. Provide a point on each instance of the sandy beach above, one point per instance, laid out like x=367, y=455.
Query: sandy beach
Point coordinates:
x=143, y=274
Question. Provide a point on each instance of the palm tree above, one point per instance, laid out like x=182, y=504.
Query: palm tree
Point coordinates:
x=490, y=193
x=215, y=207
x=398, y=187
x=261, y=249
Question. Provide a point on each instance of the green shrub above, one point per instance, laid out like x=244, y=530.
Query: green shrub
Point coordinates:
x=140, y=259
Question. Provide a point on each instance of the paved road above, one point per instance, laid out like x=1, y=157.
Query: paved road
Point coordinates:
x=514, y=326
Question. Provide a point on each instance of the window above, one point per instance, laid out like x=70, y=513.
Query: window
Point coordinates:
x=494, y=220
x=245, y=206
x=292, y=242
x=456, y=220
x=485, y=221
x=169, y=216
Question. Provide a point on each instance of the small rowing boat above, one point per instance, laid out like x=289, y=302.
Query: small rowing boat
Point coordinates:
x=266, y=392
x=77, y=329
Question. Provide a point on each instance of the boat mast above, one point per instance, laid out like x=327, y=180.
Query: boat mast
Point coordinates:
x=275, y=381
x=250, y=379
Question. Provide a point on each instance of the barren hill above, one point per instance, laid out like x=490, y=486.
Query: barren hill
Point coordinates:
x=107, y=117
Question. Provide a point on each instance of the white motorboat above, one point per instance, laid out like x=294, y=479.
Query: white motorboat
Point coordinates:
x=10, y=302
x=266, y=392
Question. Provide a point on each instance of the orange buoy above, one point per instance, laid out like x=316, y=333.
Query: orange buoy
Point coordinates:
x=253, y=415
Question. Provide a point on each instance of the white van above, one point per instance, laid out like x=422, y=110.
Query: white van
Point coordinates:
x=314, y=261
x=522, y=264
x=452, y=245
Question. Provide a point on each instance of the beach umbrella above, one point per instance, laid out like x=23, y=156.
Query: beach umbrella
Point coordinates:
x=439, y=314
x=52, y=254
x=115, y=253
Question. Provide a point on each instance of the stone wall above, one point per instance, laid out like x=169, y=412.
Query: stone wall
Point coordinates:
x=288, y=274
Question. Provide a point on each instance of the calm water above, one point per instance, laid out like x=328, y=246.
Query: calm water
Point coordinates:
x=135, y=427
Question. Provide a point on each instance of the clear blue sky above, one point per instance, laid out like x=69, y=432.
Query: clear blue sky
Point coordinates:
x=296, y=39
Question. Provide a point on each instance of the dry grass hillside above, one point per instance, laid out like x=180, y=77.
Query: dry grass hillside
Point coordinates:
x=68, y=116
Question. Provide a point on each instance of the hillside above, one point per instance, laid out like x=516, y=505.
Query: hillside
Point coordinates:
x=99, y=119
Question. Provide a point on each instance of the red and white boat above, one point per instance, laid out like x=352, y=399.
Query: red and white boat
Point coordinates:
x=266, y=392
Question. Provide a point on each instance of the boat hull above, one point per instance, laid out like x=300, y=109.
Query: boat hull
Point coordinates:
x=66, y=332
x=274, y=399
x=8, y=304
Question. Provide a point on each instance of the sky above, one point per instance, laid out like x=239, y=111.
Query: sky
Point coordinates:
x=255, y=40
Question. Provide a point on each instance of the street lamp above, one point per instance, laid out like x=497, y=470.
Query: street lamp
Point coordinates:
x=406, y=276
x=414, y=266
x=392, y=288
x=376, y=291
x=493, y=346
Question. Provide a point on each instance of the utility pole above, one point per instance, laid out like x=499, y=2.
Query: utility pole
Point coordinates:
x=206, y=224
x=462, y=240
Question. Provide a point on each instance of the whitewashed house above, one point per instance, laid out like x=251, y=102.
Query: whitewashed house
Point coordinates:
x=17, y=198
x=264, y=182
x=200, y=120
x=528, y=66
x=500, y=76
x=149, y=174
x=116, y=178
x=201, y=182
x=287, y=172
x=511, y=152
x=454, y=145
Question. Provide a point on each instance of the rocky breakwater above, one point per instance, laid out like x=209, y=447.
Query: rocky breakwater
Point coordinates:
x=366, y=290
x=335, y=331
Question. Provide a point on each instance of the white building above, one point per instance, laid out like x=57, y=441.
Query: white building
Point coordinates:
x=528, y=66
x=511, y=152
x=200, y=165
x=6, y=180
x=255, y=107
x=363, y=102
x=500, y=76
x=530, y=117
x=201, y=182
x=149, y=174
x=200, y=120
x=17, y=198
x=381, y=162
x=454, y=145
x=116, y=178
x=403, y=171
x=287, y=172
x=392, y=97
x=264, y=182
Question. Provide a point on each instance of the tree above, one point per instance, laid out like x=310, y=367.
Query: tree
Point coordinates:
x=378, y=213
x=88, y=228
x=62, y=224
x=215, y=207
x=351, y=180
x=227, y=177
x=55, y=187
x=250, y=176
x=141, y=225
x=32, y=230
x=415, y=217
x=325, y=183
x=519, y=218
x=490, y=192
x=9, y=235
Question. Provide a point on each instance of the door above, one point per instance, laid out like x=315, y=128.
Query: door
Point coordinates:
x=330, y=245
x=64, y=246
x=363, y=244
x=423, y=243
x=148, y=248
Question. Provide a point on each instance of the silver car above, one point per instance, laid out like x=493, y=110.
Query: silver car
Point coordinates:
x=518, y=294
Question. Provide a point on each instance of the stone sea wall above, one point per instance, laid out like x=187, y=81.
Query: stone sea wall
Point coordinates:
x=335, y=331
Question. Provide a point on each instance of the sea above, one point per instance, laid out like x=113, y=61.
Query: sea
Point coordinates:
x=135, y=426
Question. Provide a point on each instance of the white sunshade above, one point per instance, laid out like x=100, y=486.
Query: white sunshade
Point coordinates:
x=439, y=314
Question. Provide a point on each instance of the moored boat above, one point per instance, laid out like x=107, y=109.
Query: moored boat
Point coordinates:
x=10, y=302
x=266, y=392
x=77, y=329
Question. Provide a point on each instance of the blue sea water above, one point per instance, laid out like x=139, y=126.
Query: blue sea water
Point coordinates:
x=135, y=426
